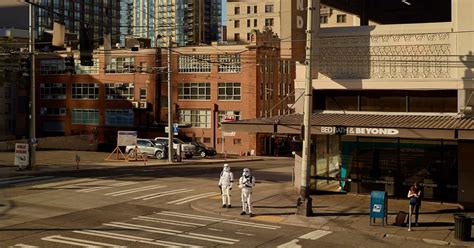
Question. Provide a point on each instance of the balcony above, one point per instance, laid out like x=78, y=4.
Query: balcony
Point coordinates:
x=409, y=51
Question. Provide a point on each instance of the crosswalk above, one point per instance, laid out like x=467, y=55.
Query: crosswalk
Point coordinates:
x=178, y=229
x=16, y=181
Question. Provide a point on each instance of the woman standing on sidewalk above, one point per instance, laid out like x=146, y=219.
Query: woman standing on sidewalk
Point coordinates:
x=414, y=194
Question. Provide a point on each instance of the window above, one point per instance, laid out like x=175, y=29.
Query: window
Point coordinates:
x=221, y=115
x=249, y=36
x=248, y=23
x=119, y=117
x=237, y=10
x=255, y=22
x=206, y=140
x=229, y=63
x=121, y=65
x=268, y=22
x=194, y=63
x=194, y=91
x=85, y=91
x=200, y=118
x=236, y=36
x=219, y=140
x=237, y=24
x=324, y=19
x=85, y=116
x=8, y=92
x=248, y=9
x=86, y=69
x=52, y=66
x=255, y=9
x=341, y=18
x=52, y=91
x=237, y=141
x=53, y=111
x=143, y=94
x=229, y=91
x=268, y=8
x=119, y=91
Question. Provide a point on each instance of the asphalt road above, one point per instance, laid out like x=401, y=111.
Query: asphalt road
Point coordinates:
x=147, y=208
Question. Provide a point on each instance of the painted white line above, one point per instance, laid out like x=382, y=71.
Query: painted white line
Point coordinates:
x=106, y=186
x=135, y=190
x=192, y=198
x=215, y=219
x=213, y=229
x=291, y=244
x=164, y=193
x=246, y=234
x=78, y=242
x=24, y=180
x=315, y=234
x=215, y=239
x=24, y=246
x=49, y=185
x=159, y=220
x=111, y=235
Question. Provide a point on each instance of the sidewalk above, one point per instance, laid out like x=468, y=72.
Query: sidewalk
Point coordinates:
x=57, y=161
x=343, y=212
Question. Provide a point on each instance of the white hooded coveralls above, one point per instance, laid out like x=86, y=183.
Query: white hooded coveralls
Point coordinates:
x=225, y=183
x=246, y=183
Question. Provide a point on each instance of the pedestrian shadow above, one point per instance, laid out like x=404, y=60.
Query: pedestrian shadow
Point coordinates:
x=435, y=224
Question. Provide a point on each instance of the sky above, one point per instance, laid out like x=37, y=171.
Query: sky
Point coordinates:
x=224, y=12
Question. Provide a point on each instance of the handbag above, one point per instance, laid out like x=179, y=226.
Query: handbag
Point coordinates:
x=413, y=201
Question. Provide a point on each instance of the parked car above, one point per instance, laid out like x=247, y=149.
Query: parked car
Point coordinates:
x=148, y=147
x=203, y=150
x=187, y=149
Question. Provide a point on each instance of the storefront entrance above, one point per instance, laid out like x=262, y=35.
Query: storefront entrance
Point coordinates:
x=362, y=164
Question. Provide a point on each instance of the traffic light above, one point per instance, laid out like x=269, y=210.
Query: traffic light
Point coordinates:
x=25, y=66
x=86, y=43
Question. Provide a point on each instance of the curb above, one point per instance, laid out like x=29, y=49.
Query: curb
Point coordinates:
x=115, y=167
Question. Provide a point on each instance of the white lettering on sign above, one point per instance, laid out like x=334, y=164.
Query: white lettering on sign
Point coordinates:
x=300, y=5
x=359, y=130
x=299, y=22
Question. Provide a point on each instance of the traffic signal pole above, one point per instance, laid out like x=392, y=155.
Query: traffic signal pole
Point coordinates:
x=170, y=104
x=32, y=105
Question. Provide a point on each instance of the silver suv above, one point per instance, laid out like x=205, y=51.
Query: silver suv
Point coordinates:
x=187, y=149
x=147, y=147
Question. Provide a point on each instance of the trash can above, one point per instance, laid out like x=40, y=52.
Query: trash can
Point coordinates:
x=378, y=206
x=462, y=227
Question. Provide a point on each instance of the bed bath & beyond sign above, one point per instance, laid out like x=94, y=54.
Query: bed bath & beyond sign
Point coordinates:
x=359, y=130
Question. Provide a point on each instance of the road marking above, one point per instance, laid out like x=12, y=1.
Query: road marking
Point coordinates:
x=215, y=219
x=78, y=242
x=246, y=234
x=168, y=221
x=11, y=181
x=192, y=198
x=48, y=185
x=291, y=244
x=133, y=238
x=23, y=246
x=315, y=234
x=211, y=238
x=213, y=229
x=135, y=190
x=161, y=194
x=269, y=218
x=107, y=186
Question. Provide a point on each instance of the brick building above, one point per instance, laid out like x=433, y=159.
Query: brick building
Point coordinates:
x=243, y=81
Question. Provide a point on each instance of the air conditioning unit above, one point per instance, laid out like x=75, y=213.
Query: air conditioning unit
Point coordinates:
x=143, y=105
x=135, y=104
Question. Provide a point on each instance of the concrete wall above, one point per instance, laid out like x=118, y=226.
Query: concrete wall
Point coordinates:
x=77, y=143
x=466, y=174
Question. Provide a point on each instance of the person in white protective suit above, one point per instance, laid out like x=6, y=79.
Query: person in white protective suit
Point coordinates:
x=246, y=183
x=225, y=184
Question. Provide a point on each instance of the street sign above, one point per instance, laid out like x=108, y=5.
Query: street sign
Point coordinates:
x=126, y=138
x=21, y=155
x=175, y=129
x=231, y=134
x=229, y=118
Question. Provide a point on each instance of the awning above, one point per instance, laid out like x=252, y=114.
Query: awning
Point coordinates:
x=363, y=124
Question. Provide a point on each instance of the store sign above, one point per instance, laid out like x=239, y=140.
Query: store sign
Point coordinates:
x=359, y=131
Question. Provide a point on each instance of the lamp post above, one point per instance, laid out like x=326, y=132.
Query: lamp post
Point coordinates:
x=32, y=105
x=170, y=102
x=304, y=202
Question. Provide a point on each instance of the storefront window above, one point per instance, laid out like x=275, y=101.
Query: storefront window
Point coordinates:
x=377, y=101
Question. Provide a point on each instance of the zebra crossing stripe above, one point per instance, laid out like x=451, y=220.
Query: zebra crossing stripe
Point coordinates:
x=215, y=219
x=23, y=246
x=191, y=198
x=78, y=242
x=135, y=190
x=23, y=180
x=168, y=221
x=161, y=194
x=135, y=239
x=107, y=186
x=72, y=182
x=211, y=238
x=291, y=244
x=315, y=234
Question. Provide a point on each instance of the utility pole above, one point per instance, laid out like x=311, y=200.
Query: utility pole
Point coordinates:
x=170, y=102
x=304, y=203
x=32, y=119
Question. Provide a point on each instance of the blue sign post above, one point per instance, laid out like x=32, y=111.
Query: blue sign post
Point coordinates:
x=175, y=129
x=378, y=206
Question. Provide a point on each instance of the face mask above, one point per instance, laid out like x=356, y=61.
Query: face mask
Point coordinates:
x=246, y=173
